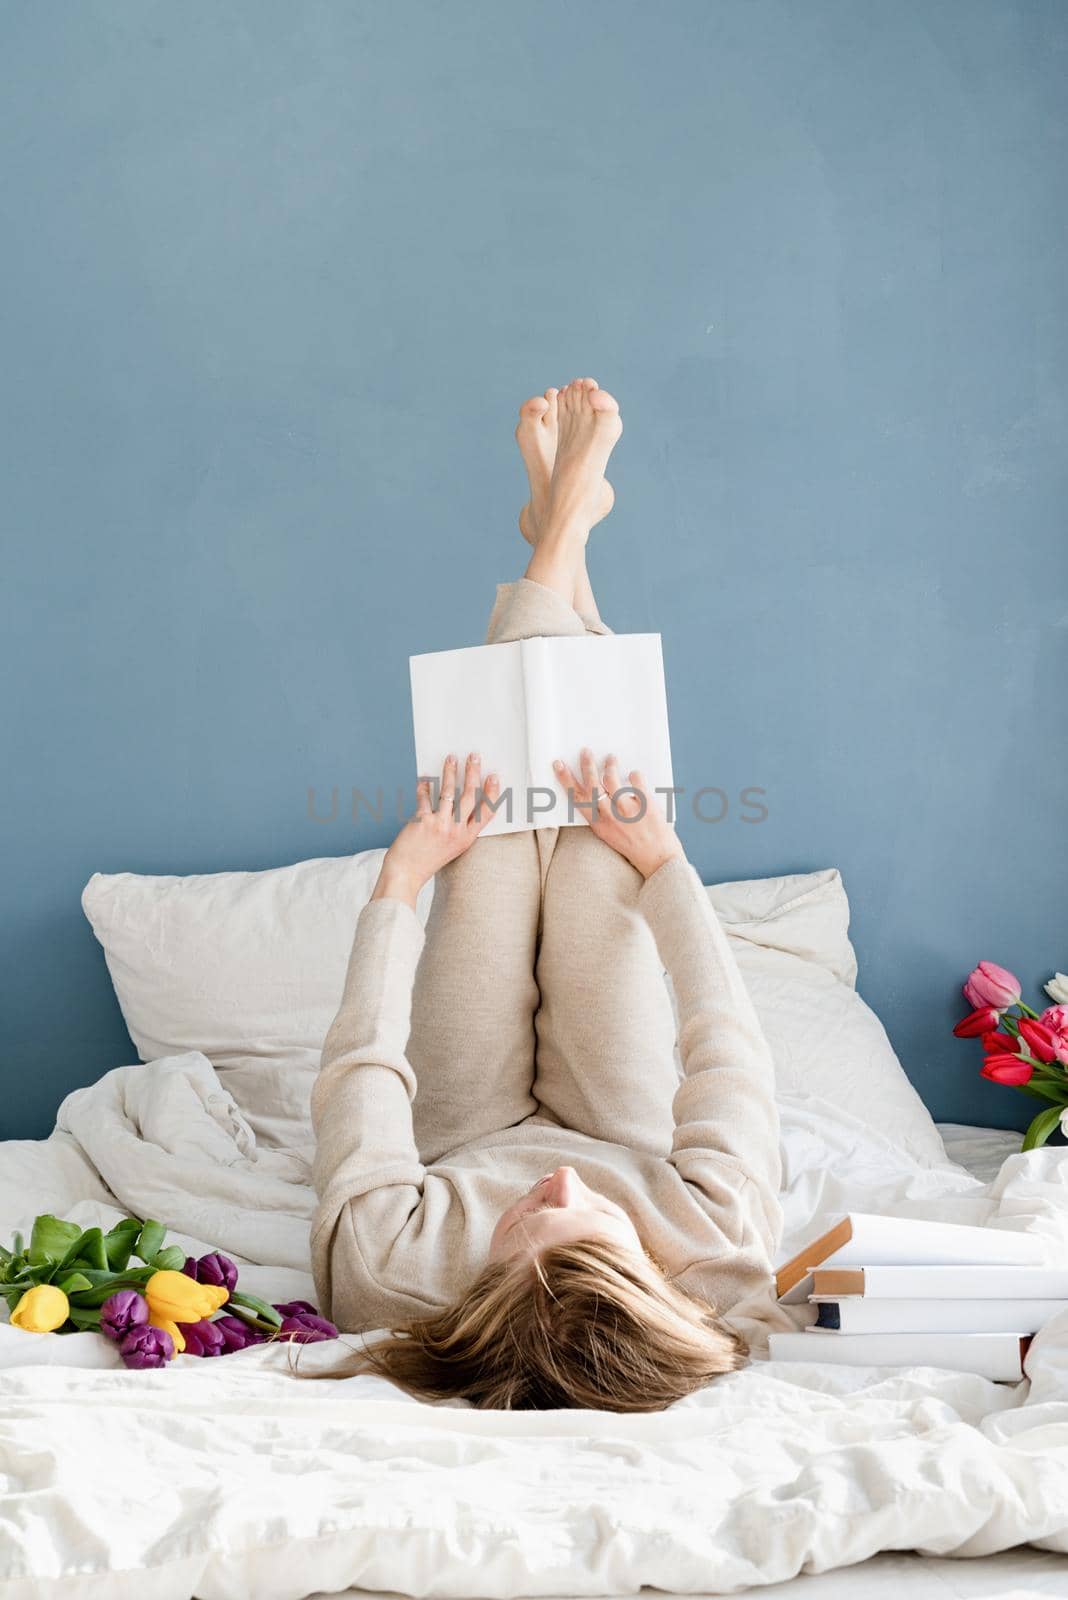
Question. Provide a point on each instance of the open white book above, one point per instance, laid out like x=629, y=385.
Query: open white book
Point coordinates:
x=523, y=704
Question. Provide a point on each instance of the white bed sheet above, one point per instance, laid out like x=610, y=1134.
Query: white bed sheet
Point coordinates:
x=229, y=1478
x=1021, y=1574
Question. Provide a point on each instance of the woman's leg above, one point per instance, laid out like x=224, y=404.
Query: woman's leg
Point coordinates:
x=537, y=434
x=471, y=1044
x=585, y=603
x=472, y=1041
x=605, y=1027
x=472, y=1038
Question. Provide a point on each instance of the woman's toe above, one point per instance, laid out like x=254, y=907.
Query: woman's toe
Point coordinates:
x=601, y=400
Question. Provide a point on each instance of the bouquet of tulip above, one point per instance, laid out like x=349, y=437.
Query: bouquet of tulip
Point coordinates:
x=1021, y=1048
x=148, y=1296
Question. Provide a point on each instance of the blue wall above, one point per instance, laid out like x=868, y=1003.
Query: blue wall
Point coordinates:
x=275, y=278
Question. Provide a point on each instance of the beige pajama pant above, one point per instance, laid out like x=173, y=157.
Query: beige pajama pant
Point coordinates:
x=539, y=992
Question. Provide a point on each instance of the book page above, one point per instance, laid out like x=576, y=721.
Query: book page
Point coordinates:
x=606, y=691
x=472, y=699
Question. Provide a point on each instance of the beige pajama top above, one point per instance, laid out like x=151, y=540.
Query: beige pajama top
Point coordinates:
x=395, y=1237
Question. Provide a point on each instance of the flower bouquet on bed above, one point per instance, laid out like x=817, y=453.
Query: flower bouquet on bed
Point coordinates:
x=152, y=1299
x=1021, y=1048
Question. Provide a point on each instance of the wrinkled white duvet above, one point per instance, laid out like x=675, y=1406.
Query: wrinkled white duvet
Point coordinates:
x=231, y=1478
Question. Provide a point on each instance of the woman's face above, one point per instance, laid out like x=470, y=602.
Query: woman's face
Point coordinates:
x=560, y=1209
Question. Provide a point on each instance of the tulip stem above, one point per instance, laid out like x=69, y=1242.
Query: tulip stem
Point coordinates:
x=251, y=1318
x=1028, y=1010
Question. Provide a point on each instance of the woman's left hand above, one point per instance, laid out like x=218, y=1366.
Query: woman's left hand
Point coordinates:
x=624, y=815
x=435, y=836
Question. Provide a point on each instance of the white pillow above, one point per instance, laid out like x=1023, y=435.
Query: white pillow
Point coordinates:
x=248, y=968
x=790, y=937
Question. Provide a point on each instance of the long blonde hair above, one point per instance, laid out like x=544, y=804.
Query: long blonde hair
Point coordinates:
x=584, y=1325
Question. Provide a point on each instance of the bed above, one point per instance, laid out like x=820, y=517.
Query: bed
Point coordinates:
x=231, y=1478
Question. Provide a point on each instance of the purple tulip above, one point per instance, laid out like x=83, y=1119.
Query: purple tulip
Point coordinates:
x=236, y=1334
x=203, y=1339
x=122, y=1312
x=306, y=1328
x=146, y=1346
x=215, y=1269
x=296, y=1308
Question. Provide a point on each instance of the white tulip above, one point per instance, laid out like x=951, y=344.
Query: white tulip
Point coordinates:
x=1057, y=988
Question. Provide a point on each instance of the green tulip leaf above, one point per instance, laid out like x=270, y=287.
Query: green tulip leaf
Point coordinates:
x=1041, y=1128
x=51, y=1239
x=260, y=1307
x=92, y=1251
x=73, y=1254
x=1029, y=1088
x=84, y=1318
x=26, y=1275
x=75, y=1281
x=87, y=1299
x=172, y=1259
x=150, y=1241
x=119, y=1243
x=1043, y=1089
x=101, y=1276
x=105, y=1284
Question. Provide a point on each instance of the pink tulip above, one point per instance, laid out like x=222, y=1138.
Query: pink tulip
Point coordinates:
x=991, y=985
x=977, y=1022
x=1055, y=1020
x=1039, y=1040
x=1006, y=1069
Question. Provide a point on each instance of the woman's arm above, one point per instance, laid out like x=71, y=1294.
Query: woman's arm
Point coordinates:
x=726, y=1140
x=366, y=1159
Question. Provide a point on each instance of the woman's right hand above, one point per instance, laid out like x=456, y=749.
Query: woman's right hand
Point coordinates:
x=435, y=836
x=631, y=822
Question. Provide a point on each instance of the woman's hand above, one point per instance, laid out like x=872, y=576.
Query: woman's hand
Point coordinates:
x=431, y=838
x=631, y=822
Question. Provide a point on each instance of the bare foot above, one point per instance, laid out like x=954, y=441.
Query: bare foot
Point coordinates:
x=588, y=426
x=536, y=435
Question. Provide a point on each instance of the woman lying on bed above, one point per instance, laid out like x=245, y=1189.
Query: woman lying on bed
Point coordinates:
x=510, y=1175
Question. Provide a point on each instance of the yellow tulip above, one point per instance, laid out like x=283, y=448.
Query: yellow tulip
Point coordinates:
x=169, y=1327
x=172, y=1297
x=41, y=1310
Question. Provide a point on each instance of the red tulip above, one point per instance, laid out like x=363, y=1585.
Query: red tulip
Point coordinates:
x=1006, y=1069
x=1055, y=1020
x=991, y=985
x=976, y=1022
x=995, y=1044
x=1039, y=1040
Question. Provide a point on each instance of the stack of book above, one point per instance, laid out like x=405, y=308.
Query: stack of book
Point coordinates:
x=898, y=1291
